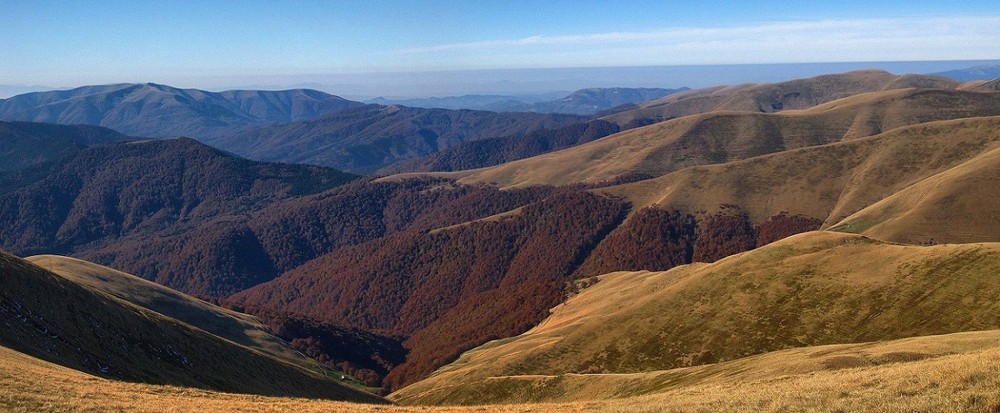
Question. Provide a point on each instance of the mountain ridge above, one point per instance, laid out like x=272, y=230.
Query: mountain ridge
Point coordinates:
x=155, y=110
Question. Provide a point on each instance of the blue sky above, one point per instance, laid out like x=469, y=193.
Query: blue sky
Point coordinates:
x=209, y=43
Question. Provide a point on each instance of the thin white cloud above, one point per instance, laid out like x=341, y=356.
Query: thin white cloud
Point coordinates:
x=933, y=38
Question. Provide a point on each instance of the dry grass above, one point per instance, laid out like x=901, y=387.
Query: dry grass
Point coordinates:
x=957, y=383
x=829, y=182
x=714, y=137
x=958, y=205
x=237, y=327
x=84, y=326
x=963, y=382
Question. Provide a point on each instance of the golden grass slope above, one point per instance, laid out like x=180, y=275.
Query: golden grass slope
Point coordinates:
x=961, y=204
x=811, y=289
x=82, y=327
x=240, y=328
x=720, y=137
x=951, y=373
x=833, y=181
x=774, y=97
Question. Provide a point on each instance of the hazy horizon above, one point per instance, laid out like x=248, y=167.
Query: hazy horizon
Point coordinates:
x=402, y=85
x=429, y=47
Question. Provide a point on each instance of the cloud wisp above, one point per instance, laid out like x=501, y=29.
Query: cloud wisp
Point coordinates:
x=932, y=38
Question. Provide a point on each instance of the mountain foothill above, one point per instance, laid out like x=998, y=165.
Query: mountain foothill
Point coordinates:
x=646, y=252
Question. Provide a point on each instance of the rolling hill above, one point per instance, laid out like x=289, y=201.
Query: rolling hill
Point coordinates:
x=719, y=137
x=370, y=137
x=230, y=325
x=30, y=150
x=24, y=144
x=957, y=205
x=495, y=151
x=934, y=373
x=811, y=289
x=156, y=110
x=103, y=195
x=88, y=327
x=776, y=97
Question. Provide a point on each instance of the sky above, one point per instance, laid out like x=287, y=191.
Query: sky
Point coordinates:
x=218, y=44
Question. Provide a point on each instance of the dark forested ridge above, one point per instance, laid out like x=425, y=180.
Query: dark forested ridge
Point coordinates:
x=27, y=144
x=452, y=289
x=657, y=239
x=102, y=195
x=367, y=138
x=495, y=151
x=28, y=151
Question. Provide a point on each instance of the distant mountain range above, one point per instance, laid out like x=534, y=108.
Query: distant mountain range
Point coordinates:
x=299, y=126
x=581, y=102
x=153, y=110
x=985, y=72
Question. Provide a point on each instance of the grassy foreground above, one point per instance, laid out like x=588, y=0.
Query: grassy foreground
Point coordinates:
x=955, y=372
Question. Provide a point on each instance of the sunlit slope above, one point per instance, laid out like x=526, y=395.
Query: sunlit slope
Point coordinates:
x=230, y=325
x=86, y=329
x=720, y=137
x=937, y=373
x=811, y=289
x=828, y=182
x=775, y=97
x=961, y=204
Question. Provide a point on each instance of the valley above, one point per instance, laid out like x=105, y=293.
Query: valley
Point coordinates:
x=757, y=247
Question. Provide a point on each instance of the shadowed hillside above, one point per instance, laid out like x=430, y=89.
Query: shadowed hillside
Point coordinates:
x=162, y=111
x=101, y=195
x=219, y=257
x=370, y=137
x=25, y=144
x=94, y=331
x=30, y=150
x=495, y=151
x=428, y=288
x=811, y=289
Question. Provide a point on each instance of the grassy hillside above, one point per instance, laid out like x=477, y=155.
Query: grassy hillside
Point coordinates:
x=230, y=325
x=811, y=289
x=776, y=97
x=960, y=204
x=719, y=137
x=826, y=182
x=83, y=328
x=936, y=373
